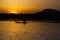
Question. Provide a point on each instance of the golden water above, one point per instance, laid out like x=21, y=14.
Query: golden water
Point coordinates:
x=10, y=30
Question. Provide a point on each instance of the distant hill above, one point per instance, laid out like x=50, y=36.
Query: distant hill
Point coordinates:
x=48, y=14
x=48, y=11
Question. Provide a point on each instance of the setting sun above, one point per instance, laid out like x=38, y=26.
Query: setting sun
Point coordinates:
x=13, y=12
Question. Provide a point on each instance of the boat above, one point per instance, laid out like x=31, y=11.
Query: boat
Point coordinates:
x=24, y=22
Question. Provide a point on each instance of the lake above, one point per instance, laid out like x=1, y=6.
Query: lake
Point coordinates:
x=10, y=30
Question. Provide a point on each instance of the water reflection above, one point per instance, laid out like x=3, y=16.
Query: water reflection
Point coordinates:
x=9, y=30
x=28, y=36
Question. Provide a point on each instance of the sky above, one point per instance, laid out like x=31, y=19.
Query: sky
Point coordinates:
x=28, y=5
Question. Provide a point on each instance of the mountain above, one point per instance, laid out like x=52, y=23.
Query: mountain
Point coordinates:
x=48, y=14
x=49, y=11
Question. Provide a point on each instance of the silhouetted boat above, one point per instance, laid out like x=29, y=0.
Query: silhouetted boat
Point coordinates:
x=20, y=21
x=24, y=22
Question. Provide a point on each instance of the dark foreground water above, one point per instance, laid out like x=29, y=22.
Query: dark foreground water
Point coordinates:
x=10, y=30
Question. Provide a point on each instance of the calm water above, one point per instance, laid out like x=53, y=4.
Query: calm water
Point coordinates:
x=10, y=30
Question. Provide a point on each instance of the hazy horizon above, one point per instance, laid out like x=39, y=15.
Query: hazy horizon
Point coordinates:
x=27, y=6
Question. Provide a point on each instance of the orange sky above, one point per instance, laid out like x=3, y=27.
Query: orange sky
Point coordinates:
x=19, y=6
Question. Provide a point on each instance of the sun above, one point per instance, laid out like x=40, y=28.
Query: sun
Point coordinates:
x=13, y=12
